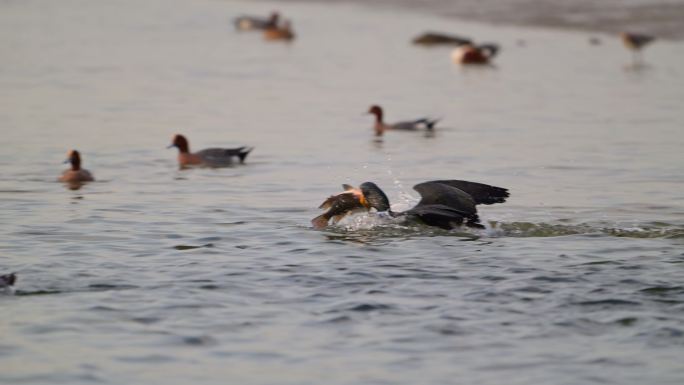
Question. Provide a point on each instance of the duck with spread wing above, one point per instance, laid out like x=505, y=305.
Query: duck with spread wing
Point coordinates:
x=446, y=204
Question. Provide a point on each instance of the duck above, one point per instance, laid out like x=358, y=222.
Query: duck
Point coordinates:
x=210, y=157
x=636, y=42
x=279, y=32
x=474, y=54
x=7, y=282
x=446, y=204
x=340, y=205
x=247, y=23
x=437, y=38
x=412, y=125
x=75, y=174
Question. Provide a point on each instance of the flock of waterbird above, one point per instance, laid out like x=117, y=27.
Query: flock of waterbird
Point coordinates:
x=445, y=204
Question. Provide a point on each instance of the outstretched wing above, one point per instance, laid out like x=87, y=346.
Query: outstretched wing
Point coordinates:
x=436, y=193
x=479, y=192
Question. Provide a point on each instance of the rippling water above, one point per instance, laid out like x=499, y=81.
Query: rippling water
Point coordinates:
x=154, y=275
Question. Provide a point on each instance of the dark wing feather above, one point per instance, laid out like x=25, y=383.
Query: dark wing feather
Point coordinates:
x=224, y=156
x=436, y=193
x=480, y=193
x=437, y=215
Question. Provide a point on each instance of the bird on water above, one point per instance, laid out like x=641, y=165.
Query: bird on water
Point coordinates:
x=438, y=38
x=210, y=157
x=412, y=125
x=75, y=174
x=7, y=282
x=446, y=204
x=636, y=42
x=474, y=54
x=247, y=23
x=280, y=32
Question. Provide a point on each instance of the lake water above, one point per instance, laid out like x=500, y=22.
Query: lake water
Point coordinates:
x=153, y=275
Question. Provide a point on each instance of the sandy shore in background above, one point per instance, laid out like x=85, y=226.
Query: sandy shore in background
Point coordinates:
x=659, y=18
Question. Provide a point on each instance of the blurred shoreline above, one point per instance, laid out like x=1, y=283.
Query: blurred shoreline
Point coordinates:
x=662, y=19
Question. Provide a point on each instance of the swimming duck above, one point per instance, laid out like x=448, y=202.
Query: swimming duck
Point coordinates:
x=7, y=283
x=474, y=54
x=210, y=157
x=279, y=32
x=444, y=203
x=380, y=126
x=76, y=174
x=246, y=23
x=435, y=38
x=636, y=42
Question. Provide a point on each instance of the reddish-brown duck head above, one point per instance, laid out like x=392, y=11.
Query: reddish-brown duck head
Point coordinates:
x=377, y=111
x=74, y=158
x=181, y=143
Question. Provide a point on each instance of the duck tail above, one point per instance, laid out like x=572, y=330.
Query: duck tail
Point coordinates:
x=320, y=222
x=429, y=123
x=244, y=151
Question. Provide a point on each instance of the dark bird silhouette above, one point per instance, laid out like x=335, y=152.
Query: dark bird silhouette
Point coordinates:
x=444, y=203
x=636, y=42
x=7, y=282
x=436, y=38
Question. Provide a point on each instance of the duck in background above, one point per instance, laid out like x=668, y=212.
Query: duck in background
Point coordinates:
x=446, y=204
x=280, y=32
x=437, y=38
x=7, y=282
x=250, y=23
x=412, y=125
x=76, y=174
x=210, y=157
x=636, y=42
x=474, y=54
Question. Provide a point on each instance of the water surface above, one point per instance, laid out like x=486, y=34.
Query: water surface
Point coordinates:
x=155, y=275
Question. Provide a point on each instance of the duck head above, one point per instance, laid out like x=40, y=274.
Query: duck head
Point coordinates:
x=377, y=111
x=375, y=197
x=180, y=142
x=74, y=158
x=379, y=126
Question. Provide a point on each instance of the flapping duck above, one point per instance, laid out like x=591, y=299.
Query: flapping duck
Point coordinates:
x=444, y=203
x=210, y=157
x=412, y=125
